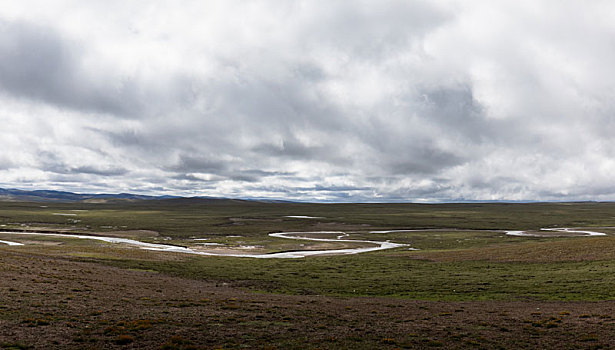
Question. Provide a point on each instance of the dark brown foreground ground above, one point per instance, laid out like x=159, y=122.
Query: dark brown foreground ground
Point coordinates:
x=55, y=303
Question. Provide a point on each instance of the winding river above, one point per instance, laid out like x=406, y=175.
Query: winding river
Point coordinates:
x=11, y=243
x=559, y=229
x=289, y=235
x=512, y=233
x=376, y=245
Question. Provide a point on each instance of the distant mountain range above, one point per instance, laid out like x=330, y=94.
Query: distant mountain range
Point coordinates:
x=61, y=196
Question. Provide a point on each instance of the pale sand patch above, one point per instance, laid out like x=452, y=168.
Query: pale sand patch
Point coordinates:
x=303, y=217
x=128, y=233
x=45, y=243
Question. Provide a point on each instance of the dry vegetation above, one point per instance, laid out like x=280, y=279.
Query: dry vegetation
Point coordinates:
x=56, y=303
x=468, y=287
x=578, y=249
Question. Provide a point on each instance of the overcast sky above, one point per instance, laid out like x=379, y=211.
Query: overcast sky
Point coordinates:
x=310, y=100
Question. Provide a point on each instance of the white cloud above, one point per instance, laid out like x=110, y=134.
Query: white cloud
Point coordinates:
x=348, y=100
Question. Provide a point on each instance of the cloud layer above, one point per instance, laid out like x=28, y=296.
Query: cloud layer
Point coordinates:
x=323, y=101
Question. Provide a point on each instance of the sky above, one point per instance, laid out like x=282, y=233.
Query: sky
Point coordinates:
x=327, y=101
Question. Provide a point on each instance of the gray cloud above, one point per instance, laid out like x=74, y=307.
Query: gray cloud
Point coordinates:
x=423, y=160
x=199, y=165
x=40, y=63
x=188, y=166
x=343, y=101
x=99, y=171
x=5, y=164
x=37, y=62
x=55, y=164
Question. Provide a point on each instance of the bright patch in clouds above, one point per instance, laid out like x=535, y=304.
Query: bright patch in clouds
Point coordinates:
x=306, y=100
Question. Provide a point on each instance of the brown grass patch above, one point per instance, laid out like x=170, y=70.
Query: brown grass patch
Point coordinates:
x=49, y=302
x=576, y=249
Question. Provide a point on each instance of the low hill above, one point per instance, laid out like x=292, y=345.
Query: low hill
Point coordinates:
x=61, y=196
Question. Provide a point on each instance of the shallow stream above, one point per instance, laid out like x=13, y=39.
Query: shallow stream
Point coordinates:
x=377, y=245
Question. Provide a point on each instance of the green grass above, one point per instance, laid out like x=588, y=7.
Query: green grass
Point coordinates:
x=184, y=219
x=545, y=274
x=394, y=276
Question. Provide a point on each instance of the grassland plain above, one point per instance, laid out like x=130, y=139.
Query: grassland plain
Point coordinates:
x=468, y=285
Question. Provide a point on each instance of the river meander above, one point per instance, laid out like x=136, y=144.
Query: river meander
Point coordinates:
x=340, y=237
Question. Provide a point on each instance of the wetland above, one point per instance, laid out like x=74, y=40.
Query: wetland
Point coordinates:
x=456, y=277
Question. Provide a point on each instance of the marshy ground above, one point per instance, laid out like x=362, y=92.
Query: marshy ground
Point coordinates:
x=462, y=289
